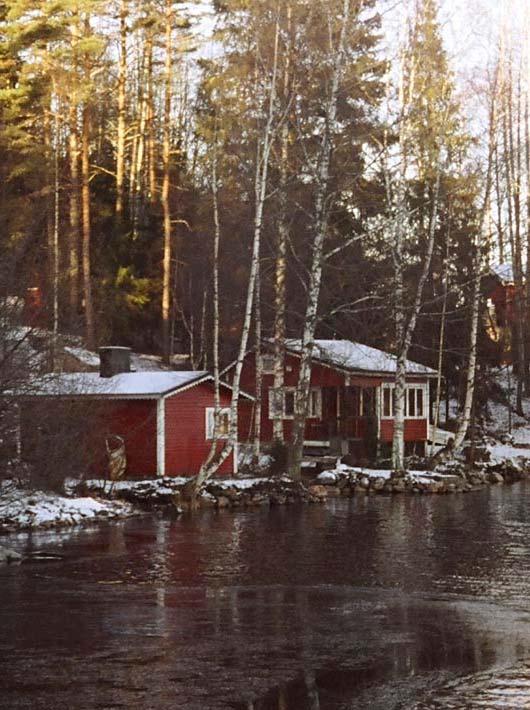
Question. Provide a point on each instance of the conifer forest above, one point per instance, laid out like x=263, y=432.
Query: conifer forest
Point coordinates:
x=200, y=177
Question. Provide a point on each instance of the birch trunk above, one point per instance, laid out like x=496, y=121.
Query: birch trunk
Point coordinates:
x=260, y=192
x=441, y=343
x=281, y=254
x=465, y=419
x=205, y=468
x=405, y=331
x=320, y=226
x=259, y=370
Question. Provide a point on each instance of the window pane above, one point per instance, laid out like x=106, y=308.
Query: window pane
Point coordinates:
x=386, y=402
x=289, y=404
x=419, y=402
x=314, y=403
x=412, y=402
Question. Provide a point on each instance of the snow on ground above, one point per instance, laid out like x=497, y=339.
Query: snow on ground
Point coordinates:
x=505, y=452
x=163, y=485
x=23, y=509
x=241, y=484
x=341, y=470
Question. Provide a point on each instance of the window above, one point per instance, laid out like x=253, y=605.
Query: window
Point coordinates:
x=288, y=403
x=223, y=423
x=315, y=403
x=415, y=402
x=267, y=364
x=388, y=401
x=283, y=402
x=415, y=406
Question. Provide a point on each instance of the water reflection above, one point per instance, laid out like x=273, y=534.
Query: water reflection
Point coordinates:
x=360, y=604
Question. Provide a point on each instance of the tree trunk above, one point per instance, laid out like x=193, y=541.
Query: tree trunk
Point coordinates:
x=166, y=156
x=476, y=299
x=320, y=226
x=405, y=329
x=122, y=116
x=74, y=216
x=260, y=191
x=259, y=369
x=281, y=254
x=441, y=341
x=87, y=279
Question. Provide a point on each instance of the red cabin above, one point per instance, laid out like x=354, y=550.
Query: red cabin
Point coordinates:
x=351, y=400
x=165, y=419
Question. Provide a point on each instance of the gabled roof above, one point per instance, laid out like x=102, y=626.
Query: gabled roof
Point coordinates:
x=503, y=272
x=357, y=357
x=126, y=385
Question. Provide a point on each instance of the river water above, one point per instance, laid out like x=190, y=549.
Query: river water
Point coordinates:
x=378, y=602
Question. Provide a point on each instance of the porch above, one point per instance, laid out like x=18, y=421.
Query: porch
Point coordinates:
x=348, y=422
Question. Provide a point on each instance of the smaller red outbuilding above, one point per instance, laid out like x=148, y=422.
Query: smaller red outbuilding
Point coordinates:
x=165, y=419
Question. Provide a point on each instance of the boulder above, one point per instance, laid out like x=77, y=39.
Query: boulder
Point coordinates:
x=321, y=491
x=327, y=478
x=495, y=477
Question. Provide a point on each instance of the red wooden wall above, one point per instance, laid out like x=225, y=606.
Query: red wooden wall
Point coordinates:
x=321, y=376
x=186, y=443
x=135, y=421
x=415, y=429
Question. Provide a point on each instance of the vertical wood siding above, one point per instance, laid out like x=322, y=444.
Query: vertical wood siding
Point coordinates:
x=186, y=443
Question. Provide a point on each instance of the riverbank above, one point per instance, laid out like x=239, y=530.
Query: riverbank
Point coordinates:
x=94, y=501
x=500, y=464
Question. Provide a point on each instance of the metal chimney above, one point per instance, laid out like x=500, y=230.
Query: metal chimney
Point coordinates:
x=113, y=360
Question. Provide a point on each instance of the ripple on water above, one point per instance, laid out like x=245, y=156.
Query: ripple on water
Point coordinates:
x=506, y=688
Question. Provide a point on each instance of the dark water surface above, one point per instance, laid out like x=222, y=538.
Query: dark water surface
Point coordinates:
x=372, y=603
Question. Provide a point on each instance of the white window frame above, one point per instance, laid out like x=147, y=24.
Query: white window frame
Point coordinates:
x=424, y=388
x=209, y=413
x=315, y=403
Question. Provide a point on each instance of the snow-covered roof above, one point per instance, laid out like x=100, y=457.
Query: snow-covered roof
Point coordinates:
x=358, y=357
x=504, y=272
x=126, y=385
x=87, y=357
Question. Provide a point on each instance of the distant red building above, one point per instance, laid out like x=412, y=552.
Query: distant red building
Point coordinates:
x=351, y=403
x=165, y=419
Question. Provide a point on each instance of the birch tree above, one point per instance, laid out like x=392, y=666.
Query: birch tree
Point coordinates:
x=319, y=228
x=427, y=133
x=264, y=141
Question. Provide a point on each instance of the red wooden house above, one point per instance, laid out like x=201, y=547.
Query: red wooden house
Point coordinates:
x=351, y=398
x=166, y=419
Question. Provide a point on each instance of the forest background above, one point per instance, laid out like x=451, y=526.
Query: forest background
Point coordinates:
x=195, y=177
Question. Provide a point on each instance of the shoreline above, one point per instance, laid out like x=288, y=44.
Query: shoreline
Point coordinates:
x=95, y=501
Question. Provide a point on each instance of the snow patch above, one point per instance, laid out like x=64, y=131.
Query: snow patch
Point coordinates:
x=23, y=509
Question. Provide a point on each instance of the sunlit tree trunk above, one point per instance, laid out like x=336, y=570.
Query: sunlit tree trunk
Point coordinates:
x=166, y=158
x=90, y=337
x=122, y=115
